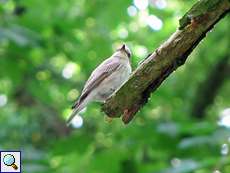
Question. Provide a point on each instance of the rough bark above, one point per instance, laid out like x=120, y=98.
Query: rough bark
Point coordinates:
x=168, y=57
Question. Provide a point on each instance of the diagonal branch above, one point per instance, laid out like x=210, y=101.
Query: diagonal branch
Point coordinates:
x=168, y=57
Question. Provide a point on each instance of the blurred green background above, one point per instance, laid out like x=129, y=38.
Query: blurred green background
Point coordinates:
x=48, y=49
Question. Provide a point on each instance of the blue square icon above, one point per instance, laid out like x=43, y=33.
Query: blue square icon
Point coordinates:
x=10, y=161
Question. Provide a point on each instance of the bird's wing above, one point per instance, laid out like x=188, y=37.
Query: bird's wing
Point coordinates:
x=98, y=75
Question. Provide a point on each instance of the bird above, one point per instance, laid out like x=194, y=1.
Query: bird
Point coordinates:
x=104, y=80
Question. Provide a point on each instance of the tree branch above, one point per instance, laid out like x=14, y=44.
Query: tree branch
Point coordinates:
x=168, y=57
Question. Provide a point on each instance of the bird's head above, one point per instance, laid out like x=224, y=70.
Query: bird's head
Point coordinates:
x=125, y=50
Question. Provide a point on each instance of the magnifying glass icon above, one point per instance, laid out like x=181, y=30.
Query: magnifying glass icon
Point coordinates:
x=9, y=160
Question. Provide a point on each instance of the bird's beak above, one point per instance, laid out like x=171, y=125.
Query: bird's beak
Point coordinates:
x=123, y=47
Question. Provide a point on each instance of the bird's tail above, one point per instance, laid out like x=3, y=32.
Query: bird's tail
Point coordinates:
x=81, y=104
x=72, y=115
x=76, y=110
